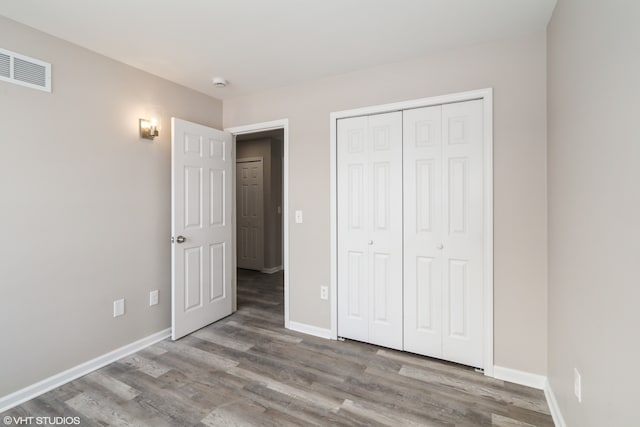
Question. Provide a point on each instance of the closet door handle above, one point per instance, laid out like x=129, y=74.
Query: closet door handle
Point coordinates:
x=440, y=246
x=370, y=242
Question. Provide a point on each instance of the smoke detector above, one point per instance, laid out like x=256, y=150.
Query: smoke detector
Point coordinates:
x=219, y=82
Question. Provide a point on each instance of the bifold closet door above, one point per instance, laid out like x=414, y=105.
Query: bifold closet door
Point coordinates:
x=443, y=232
x=369, y=155
x=423, y=259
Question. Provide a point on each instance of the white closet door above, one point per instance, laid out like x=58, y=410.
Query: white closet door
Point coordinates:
x=423, y=236
x=385, y=238
x=443, y=240
x=462, y=202
x=370, y=229
x=353, y=229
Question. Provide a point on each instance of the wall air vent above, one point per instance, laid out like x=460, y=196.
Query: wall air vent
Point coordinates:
x=24, y=71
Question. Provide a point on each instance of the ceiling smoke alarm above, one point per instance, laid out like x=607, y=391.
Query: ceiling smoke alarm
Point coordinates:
x=219, y=82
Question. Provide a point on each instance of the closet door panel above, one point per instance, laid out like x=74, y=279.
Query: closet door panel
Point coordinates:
x=422, y=151
x=462, y=252
x=385, y=238
x=353, y=228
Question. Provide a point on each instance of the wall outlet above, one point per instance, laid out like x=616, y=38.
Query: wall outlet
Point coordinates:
x=153, y=297
x=118, y=307
x=324, y=292
x=577, y=385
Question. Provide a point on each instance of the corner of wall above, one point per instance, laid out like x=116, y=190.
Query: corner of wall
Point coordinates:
x=554, y=408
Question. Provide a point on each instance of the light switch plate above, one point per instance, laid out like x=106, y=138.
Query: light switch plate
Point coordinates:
x=298, y=217
x=118, y=307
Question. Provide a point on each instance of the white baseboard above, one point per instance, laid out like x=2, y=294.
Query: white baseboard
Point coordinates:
x=536, y=381
x=35, y=390
x=271, y=270
x=558, y=419
x=520, y=377
x=310, y=330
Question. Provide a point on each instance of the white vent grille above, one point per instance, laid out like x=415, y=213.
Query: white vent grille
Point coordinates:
x=5, y=65
x=24, y=71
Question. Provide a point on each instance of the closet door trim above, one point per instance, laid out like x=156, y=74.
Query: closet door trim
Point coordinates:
x=486, y=95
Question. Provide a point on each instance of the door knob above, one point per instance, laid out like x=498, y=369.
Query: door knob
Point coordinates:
x=440, y=246
x=370, y=242
x=181, y=239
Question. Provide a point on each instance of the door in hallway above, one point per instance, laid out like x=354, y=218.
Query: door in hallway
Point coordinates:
x=250, y=213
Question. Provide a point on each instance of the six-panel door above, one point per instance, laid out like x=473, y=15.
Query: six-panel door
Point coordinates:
x=201, y=226
x=249, y=215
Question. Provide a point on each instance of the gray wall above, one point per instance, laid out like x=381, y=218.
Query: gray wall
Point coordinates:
x=594, y=207
x=516, y=69
x=85, y=207
x=270, y=149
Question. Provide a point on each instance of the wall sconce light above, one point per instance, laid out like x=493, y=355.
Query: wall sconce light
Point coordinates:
x=149, y=128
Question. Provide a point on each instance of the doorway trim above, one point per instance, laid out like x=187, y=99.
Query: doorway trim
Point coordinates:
x=253, y=128
x=486, y=95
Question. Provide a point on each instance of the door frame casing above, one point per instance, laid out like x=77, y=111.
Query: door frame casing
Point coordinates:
x=486, y=95
x=254, y=128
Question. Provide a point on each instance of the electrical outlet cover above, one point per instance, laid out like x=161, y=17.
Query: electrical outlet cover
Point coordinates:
x=153, y=297
x=577, y=384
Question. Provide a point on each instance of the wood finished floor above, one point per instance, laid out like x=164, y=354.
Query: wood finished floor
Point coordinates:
x=248, y=370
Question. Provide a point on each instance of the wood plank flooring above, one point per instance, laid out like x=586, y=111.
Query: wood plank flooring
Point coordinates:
x=248, y=370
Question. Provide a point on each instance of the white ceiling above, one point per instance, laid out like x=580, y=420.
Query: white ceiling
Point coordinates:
x=261, y=44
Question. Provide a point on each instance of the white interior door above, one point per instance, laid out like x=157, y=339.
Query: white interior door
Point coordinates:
x=443, y=214
x=201, y=226
x=370, y=229
x=250, y=213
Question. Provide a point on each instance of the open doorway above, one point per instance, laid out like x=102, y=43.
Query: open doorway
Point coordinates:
x=260, y=213
x=259, y=201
